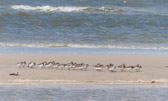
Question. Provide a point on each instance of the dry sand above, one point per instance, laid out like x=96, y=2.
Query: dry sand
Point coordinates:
x=153, y=69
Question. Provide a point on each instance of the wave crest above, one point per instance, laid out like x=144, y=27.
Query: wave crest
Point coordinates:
x=64, y=9
x=79, y=46
x=114, y=10
x=48, y=8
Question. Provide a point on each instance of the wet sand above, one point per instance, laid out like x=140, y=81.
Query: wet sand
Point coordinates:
x=153, y=69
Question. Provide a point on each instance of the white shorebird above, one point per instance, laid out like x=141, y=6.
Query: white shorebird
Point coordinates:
x=110, y=65
x=41, y=65
x=31, y=64
x=56, y=65
x=66, y=66
x=137, y=68
x=130, y=68
x=112, y=68
x=134, y=68
x=70, y=65
x=98, y=67
x=74, y=66
x=80, y=66
x=21, y=64
x=122, y=67
x=61, y=66
x=49, y=65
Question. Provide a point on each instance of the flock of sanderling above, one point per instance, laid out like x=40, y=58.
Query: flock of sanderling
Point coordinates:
x=81, y=66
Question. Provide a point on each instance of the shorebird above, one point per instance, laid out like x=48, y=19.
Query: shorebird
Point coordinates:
x=41, y=65
x=56, y=65
x=129, y=68
x=21, y=64
x=137, y=68
x=32, y=64
x=108, y=66
x=70, y=65
x=80, y=66
x=67, y=66
x=98, y=67
x=61, y=66
x=15, y=74
x=74, y=66
x=111, y=67
x=85, y=66
x=122, y=67
x=49, y=64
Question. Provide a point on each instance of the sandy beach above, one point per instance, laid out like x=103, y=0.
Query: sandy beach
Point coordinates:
x=153, y=69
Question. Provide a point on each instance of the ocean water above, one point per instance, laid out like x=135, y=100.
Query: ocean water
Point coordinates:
x=82, y=51
x=114, y=24
x=75, y=92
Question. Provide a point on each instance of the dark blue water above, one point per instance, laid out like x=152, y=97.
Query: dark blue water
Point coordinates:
x=130, y=24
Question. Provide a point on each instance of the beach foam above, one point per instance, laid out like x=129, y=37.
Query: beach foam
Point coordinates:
x=27, y=81
x=79, y=46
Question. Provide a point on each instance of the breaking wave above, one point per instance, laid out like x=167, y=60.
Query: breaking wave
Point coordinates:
x=78, y=46
x=114, y=10
x=64, y=9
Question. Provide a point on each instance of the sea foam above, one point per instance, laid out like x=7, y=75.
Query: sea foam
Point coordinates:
x=113, y=9
x=48, y=8
x=57, y=45
x=65, y=9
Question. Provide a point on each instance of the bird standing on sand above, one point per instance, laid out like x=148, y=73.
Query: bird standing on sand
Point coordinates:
x=31, y=64
x=112, y=69
x=98, y=67
x=137, y=68
x=122, y=67
x=15, y=74
x=21, y=64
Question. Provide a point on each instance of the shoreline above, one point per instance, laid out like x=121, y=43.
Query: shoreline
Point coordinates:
x=117, y=82
x=83, y=51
